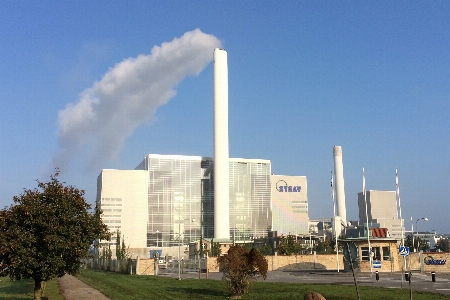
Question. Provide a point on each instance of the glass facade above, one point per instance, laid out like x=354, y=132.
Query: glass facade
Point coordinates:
x=174, y=194
x=181, y=200
x=250, y=211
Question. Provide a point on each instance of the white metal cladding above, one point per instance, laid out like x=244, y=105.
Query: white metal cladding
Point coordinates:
x=289, y=204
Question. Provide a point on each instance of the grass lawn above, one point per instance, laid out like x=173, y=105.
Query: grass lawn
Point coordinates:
x=23, y=289
x=117, y=286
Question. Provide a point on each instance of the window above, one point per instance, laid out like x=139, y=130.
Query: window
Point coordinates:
x=376, y=255
x=386, y=253
x=365, y=253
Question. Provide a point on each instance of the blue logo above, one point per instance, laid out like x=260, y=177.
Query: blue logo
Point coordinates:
x=429, y=260
x=283, y=187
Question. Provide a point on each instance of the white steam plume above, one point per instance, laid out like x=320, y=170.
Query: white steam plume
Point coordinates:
x=127, y=96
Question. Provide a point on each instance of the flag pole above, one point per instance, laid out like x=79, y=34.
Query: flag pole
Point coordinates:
x=332, y=194
x=367, y=221
x=334, y=225
x=397, y=192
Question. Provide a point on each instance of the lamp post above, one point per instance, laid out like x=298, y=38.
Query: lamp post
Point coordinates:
x=425, y=219
x=179, y=250
x=157, y=236
x=179, y=247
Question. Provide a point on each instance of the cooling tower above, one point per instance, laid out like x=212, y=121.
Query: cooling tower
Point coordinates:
x=221, y=154
x=339, y=173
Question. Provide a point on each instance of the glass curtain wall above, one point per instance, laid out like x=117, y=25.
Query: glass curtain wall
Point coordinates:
x=174, y=199
x=250, y=212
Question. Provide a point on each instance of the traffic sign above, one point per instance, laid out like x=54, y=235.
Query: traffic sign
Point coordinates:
x=403, y=251
x=377, y=264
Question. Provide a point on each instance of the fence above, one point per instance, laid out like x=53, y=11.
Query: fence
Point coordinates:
x=125, y=266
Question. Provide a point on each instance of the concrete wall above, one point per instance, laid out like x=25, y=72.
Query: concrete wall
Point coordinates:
x=435, y=262
x=415, y=262
x=294, y=262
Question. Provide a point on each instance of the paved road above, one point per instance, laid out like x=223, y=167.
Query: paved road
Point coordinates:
x=419, y=281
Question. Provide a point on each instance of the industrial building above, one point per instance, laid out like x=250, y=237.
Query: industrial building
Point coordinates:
x=289, y=205
x=168, y=199
x=381, y=212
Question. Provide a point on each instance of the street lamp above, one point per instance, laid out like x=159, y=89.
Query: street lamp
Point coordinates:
x=157, y=235
x=179, y=249
x=412, y=229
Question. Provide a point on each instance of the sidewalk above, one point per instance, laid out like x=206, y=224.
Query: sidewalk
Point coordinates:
x=74, y=289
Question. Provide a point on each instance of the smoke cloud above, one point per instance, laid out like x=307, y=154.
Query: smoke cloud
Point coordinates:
x=127, y=96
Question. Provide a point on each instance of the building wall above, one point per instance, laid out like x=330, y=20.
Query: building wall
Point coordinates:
x=122, y=195
x=381, y=209
x=394, y=226
x=393, y=264
x=289, y=204
x=170, y=198
x=380, y=204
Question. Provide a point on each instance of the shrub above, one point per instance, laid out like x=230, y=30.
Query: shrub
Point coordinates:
x=239, y=267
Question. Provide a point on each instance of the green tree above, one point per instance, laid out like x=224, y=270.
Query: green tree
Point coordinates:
x=215, y=248
x=239, y=267
x=247, y=246
x=283, y=248
x=289, y=245
x=443, y=245
x=46, y=233
x=419, y=244
x=408, y=241
x=106, y=253
x=265, y=249
x=121, y=249
x=324, y=246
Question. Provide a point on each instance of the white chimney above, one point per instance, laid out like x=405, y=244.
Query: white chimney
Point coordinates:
x=221, y=151
x=339, y=173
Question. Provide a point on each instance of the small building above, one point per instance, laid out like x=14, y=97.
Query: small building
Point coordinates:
x=384, y=250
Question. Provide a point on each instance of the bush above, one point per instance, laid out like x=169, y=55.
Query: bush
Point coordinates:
x=240, y=267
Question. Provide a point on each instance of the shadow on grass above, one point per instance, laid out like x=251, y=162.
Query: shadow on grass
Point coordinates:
x=194, y=291
x=17, y=289
x=303, y=266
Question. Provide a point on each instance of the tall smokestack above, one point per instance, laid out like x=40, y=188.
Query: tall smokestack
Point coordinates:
x=221, y=154
x=339, y=173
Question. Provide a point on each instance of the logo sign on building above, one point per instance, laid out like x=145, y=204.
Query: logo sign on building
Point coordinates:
x=403, y=251
x=283, y=187
x=376, y=264
x=289, y=204
x=429, y=260
x=155, y=253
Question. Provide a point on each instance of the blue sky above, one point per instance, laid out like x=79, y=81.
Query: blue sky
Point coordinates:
x=372, y=77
